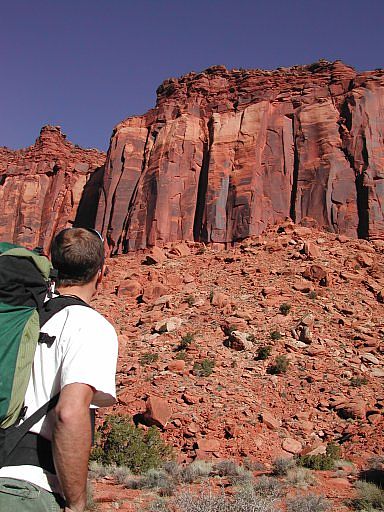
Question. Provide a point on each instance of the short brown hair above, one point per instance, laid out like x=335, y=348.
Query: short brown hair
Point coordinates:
x=77, y=255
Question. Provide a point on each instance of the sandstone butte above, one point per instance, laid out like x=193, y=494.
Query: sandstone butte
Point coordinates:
x=47, y=187
x=223, y=155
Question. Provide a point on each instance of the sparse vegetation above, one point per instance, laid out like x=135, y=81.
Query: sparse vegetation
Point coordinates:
x=153, y=479
x=148, y=358
x=186, y=340
x=275, y=335
x=203, y=368
x=263, y=352
x=190, y=300
x=282, y=465
x=370, y=498
x=300, y=477
x=280, y=366
x=123, y=444
x=285, y=308
x=195, y=471
x=182, y=355
x=308, y=503
x=268, y=486
x=357, y=382
x=235, y=473
x=246, y=500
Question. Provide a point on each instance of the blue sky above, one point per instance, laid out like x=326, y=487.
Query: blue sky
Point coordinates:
x=87, y=64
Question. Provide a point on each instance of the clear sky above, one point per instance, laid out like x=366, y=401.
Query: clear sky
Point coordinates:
x=88, y=64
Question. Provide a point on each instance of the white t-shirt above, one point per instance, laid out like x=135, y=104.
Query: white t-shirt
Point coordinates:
x=85, y=351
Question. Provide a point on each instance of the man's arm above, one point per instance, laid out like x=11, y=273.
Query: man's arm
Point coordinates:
x=71, y=443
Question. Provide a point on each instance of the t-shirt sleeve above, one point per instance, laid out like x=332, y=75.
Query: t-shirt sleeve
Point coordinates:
x=90, y=356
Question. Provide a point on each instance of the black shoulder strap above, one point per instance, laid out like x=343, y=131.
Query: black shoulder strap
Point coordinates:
x=53, y=306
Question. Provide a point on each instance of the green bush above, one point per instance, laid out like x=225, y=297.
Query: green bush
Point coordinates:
x=285, y=308
x=186, y=340
x=203, y=368
x=123, y=444
x=275, y=335
x=320, y=462
x=263, y=352
x=334, y=451
x=280, y=365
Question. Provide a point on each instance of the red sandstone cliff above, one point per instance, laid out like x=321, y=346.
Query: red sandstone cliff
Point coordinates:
x=41, y=188
x=225, y=153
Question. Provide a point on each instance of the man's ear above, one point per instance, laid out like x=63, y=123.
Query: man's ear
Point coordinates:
x=100, y=275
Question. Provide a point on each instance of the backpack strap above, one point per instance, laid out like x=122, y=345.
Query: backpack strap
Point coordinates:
x=56, y=304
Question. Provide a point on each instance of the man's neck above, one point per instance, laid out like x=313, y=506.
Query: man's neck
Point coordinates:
x=84, y=293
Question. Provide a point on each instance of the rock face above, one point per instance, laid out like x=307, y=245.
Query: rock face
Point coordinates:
x=226, y=153
x=46, y=187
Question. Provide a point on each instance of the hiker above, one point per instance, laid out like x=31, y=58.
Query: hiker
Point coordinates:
x=79, y=361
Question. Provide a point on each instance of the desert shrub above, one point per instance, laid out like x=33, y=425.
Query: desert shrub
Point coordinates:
x=320, y=462
x=285, y=308
x=182, y=355
x=312, y=295
x=195, y=471
x=308, y=503
x=91, y=504
x=357, y=382
x=172, y=468
x=253, y=465
x=370, y=498
x=98, y=470
x=300, y=477
x=121, y=474
x=282, y=465
x=190, y=300
x=153, y=479
x=263, y=352
x=275, y=335
x=267, y=486
x=159, y=505
x=279, y=366
x=148, y=358
x=235, y=473
x=334, y=451
x=244, y=501
x=203, y=368
x=123, y=444
x=186, y=340
x=251, y=338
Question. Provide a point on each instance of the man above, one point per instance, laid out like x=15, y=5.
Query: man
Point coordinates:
x=81, y=365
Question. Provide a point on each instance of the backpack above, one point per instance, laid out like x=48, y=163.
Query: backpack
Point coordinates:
x=26, y=279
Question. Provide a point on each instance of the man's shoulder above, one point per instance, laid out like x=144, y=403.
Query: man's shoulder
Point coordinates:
x=79, y=316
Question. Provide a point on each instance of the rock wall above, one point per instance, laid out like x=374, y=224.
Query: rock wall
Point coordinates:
x=42, y=188
x=226, y=153
x=223, y=155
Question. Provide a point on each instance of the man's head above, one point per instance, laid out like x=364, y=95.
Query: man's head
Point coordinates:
x=78, y=255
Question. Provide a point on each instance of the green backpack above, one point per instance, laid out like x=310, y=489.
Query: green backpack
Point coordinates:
x=25, y=283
